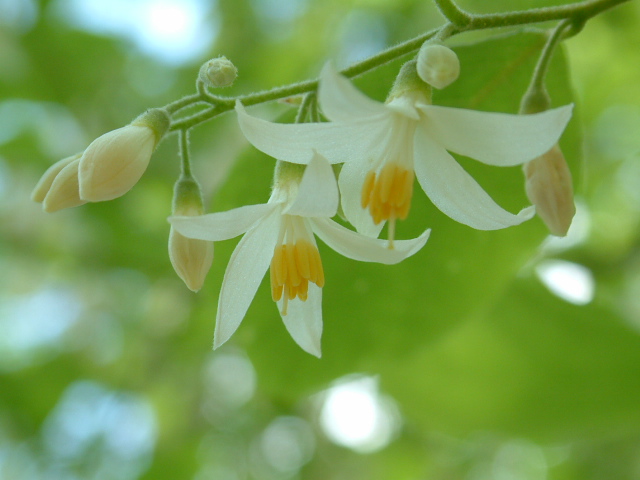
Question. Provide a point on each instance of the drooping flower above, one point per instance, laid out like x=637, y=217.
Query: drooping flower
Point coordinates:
x=383, y=145
x=280, y=236
x=548, y=186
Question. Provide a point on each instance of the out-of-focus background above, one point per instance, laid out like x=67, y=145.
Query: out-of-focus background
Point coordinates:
x=488, y=355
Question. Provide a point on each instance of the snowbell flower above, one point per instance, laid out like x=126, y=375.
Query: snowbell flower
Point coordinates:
x=113, y=163
x=58, y=186
x=280, y=236
x=191, y=258
x=383, y=145
x=548, y=186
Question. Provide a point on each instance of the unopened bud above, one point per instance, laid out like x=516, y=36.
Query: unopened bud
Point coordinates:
x=438, y=65
x=44, y=184
x=548, y=186
x=191, y=258
x=218, y=72
x=113, y=163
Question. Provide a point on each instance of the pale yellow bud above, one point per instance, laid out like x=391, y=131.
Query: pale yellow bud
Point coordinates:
x=438, y=65
x=549, y=188
x=218, y=72
x=191, y=258
x=64, y=191
x=44, y=184
x=114, y=162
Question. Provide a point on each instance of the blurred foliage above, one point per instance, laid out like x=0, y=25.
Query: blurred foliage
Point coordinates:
x=106, y=369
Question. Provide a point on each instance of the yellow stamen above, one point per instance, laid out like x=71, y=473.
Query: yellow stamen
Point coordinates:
x=388, y=195
x=293, y=266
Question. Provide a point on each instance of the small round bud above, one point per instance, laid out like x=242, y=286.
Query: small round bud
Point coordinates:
x=438, y=65
x=218, y=72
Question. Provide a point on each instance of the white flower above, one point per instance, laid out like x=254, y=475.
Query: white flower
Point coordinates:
x=280, y=235
x=114, y=162
x=383, y=145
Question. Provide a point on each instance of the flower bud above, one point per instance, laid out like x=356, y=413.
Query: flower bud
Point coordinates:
x=438, y=65
x=64, y=191
x=548, y=187
x=218, y=72
x=114, y=162
x=191, y=258
x=44, y=184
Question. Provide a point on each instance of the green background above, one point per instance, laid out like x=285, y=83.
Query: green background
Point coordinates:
x=478, y=369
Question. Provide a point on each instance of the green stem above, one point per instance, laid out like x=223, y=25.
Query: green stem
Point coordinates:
x=183, y=102
x=183, y=140
x=536, y=99
x=303, y=111
x=461, y=21
x=583, y=10
x=453, y=13
x=540, y=72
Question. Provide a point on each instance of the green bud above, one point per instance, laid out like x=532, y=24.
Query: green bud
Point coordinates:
x=218, y=72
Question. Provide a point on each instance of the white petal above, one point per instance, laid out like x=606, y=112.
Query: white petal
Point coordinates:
x=453, y=191
x=243, y=276
x=496, y=138
x=318, y=191
x=363, y=248
x=295, y=142
x=221, y=225
x=304, y=320
x=342, y=102
x=351, y=181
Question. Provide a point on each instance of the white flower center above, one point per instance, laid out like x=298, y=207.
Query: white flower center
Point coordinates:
x=296, y=262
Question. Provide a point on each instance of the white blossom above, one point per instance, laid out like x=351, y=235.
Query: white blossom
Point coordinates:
x=280, y=235
x=384, y=145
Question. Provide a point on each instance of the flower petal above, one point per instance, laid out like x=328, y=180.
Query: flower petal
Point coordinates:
x=342, y=102
x=221, y=225
x=455, y=193
x=295, y=142
x=351, y=181
x=64, y=190
x=44, y=184
x=304, y=320
x=365, y=249
x=496, y=138
x=318, y=191
x=243, y=276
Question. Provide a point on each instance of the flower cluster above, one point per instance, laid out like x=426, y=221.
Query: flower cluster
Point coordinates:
x=383, y=149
